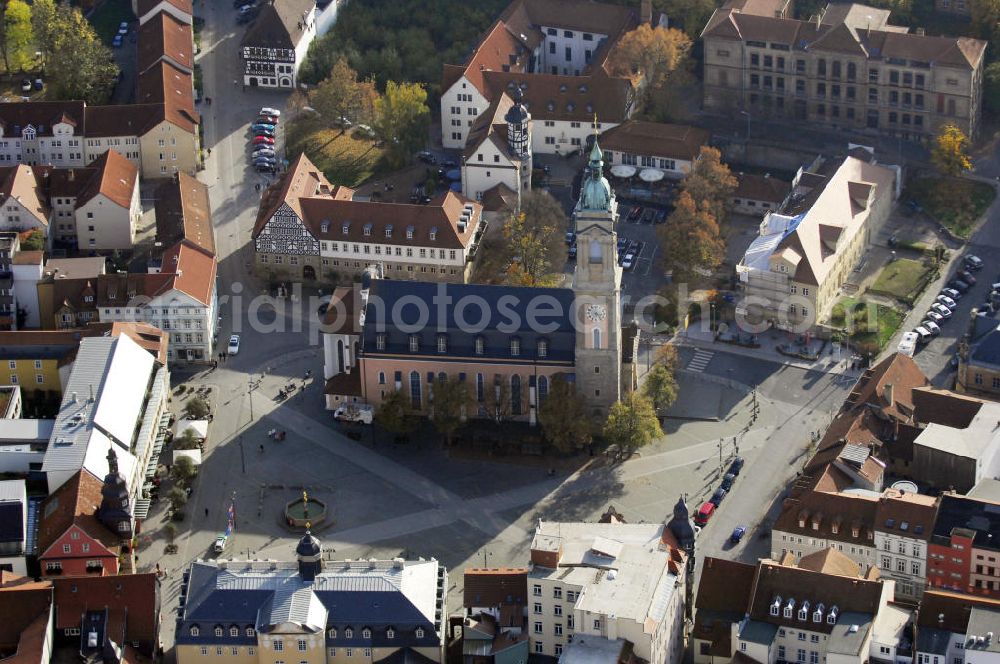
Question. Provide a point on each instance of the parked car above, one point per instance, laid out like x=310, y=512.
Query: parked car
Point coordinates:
x=727, y=481
x=736, y=466
x=946, y=301
x=635, y=213
x=974, y=263
x=264, y=151
x=718, y=496
x=704, y=513
x=116, y=41
x=262, y=125
x=931, y=327
x=263, y=132
x=265, y=168
x=941, y=309
x=967, y=277
x=267, y=110
x=934, y=316
x=220, y=543
x=648, y=216
x=738, y=533
x=952, y=293
x=628, y=262
x=447, y=163
x=123, y=28
x=426, y=157
x=958, y=285
x=572, y=251
x=26, y=85
x=570, y=237
x=267, y=119
x=923, y=335
x=263, y=140
x=234, y=344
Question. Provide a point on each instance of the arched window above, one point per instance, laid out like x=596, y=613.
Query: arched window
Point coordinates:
x=415, y=389
x=390, y=633
x=333, y=633
x=543, y=389
x=597, y=339
x=596, y=255
x=195, y=631
x=250, y=631
x=480, y=388
x=218, y=631
x=515, y=394
x=349, y=633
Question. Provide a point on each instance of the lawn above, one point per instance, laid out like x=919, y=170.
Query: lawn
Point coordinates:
x=106, y=18
x=955, y=202
x=868, y=336
x=903, y=279
x=343, y=158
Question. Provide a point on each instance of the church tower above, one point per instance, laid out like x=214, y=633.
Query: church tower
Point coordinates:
x=114, y=511
x=519, y=138
x=597, y=287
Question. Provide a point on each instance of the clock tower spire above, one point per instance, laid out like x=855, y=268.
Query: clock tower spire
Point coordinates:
x=597, y=287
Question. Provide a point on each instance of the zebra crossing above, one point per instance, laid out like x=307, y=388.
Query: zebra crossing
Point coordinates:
x=700, y=360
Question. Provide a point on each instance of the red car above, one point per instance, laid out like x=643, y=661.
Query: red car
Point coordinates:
x=263, y=140
x=704, y=513
x=268, y=119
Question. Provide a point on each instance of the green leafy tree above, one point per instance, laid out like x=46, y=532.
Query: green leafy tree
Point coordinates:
x=402, y=120
x=660, y=387
x=452, y=399
x=77, y=64
x=395, y=414
x=632, y=423
x=991, y=88
x=196, y=409
x=985, y=15
x=691, y=239
x=534, y=238
x=34, y=242
x=17, y=37
x=563, y=417
x=186, y=441
x=43, y=25
x=498, y=404
x=177, y=497
x=183, y=470
x=950, y=153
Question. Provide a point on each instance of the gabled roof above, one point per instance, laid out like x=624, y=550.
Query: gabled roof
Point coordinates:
x=490, y=126
x=280, y=24
x=301, y=180
x=134, y=600
x=558, y=97
x=497, y=50
x=23, y=184
x=940, y=609
x=147, y=336
x=829, y=561
x=185, y=267
x=15, y=116
x=754, y=187
x=165, y=38
x=496, y=586
x=116, y=178
x=74, y=503
x=146, y=6
x=840, y=512
x=655, y=138
x=183, y=212
x=22, y=602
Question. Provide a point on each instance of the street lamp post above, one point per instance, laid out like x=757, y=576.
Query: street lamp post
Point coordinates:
x=748, y=125
x=250, y=394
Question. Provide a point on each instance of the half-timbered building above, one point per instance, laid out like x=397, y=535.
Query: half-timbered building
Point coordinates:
x=310, y=229
x=276, y=43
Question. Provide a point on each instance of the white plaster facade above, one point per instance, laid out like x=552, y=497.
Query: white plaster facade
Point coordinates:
x=460, y=105
x=903, y=559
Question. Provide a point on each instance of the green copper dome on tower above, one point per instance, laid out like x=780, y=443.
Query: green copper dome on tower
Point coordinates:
x=595, y=194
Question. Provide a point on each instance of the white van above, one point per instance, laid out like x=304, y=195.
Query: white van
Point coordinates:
x=923, y=335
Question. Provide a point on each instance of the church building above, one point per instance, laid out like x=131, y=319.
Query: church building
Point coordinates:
x=509, y=343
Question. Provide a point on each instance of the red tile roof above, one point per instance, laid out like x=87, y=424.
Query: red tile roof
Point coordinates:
x=133, y=599
x=655, y=138
x=165, y=37
x=22, y=603
x=183, y=212
x=116, y=178
x=74, y=503
x=146, y=6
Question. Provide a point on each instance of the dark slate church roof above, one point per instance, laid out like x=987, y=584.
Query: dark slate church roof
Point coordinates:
x=394, y=309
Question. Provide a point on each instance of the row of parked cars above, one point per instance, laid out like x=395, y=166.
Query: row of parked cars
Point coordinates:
x=628, y=251
x=263, y=130
x=947, y=300
x=709, y=507
x=638, y=214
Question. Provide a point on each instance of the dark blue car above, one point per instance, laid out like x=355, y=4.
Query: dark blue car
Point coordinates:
x=738, y=533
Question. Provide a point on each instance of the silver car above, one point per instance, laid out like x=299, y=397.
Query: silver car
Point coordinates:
x=946, y=301
x=941, y=309
x=931, y=327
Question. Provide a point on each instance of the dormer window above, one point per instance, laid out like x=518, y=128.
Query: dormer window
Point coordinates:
x=414, y=343
x=543, y=348
x=324, y=226
x=194, y=631
x=379, y=342
x=88, y=298
x=420, y=632
x=480, y=346
x=234, y=631
x=818, y=614
x=409, y=232
x=434, y=233
x=251, y=631
x=29, y=133
x=218, y=631
x=388, y=230
x=366, y=633
x=776, y=606
x=789, y=608
x=832, y=618
x=390, y=633
x=332, y=633
x=442, y=344
x=804, y=611
x=367, y=230
x=515, y=347
x=349, y=633
x=346, y=228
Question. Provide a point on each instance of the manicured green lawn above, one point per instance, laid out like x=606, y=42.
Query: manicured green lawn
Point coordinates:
x=903, y=279
x=955, y=202
x=343, y=158
x=872, y=324
x=106, y=18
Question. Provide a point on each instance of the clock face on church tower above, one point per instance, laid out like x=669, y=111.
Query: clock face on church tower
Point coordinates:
x=596, y=312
